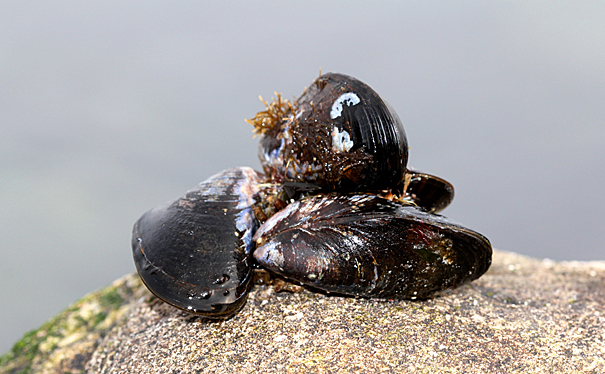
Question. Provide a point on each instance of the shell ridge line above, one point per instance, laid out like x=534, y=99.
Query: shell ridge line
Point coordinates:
x=439, y=221
x=275, y=220
x=160, y=270
x=354, y=236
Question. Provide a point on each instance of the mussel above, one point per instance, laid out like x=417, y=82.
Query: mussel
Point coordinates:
x=365, y=245
x=337, y=209
x=195, y=252
x=430, y=192
x=338, y=136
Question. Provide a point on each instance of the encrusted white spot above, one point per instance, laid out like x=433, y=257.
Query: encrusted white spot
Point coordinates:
x=270, y=254
x=341, y=141
x=348, y=98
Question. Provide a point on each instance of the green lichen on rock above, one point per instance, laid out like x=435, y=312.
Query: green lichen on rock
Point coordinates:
x=64, y=343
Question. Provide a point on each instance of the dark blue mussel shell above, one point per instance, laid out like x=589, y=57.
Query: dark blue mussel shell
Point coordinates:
x=341, y=137
x=429, y=192
x=365, y=245
x=195, y=252
x=343, y=213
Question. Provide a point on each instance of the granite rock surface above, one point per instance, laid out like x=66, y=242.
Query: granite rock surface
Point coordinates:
x=523, y=316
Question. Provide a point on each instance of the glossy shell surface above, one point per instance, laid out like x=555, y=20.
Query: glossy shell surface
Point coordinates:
x=195, y=252
x=428, y=191
x=337, y=210
x=341, y=136
x=365, y=245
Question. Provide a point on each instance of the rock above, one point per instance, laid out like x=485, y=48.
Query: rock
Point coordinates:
x=66, y=342
x=523, y=315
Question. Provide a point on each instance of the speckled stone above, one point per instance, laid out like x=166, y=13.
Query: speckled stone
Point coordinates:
x=523, y=316
x=66, y=342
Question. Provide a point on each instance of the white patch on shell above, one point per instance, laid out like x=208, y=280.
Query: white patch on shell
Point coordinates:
x=270, y=254
x=349, y=98
x=341, y=141
x=356, y=240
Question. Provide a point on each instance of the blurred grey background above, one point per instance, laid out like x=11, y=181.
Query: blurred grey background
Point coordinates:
x=110, y=108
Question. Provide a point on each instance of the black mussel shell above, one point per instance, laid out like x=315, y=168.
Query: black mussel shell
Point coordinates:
x=365, y=245
x=341, y=136
x=195, y=252
x=428, y=191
